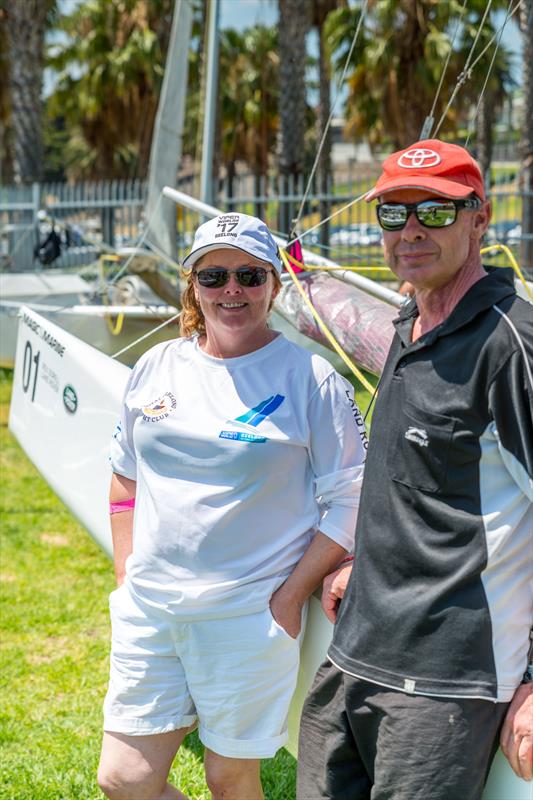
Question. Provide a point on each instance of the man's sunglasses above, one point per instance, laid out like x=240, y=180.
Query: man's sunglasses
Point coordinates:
x=216, y=277
x=429, y=213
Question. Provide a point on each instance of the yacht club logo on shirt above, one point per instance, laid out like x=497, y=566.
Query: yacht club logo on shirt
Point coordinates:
x=253, y=417
x=160, y=408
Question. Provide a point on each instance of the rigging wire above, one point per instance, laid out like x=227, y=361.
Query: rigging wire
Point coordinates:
x=465, y=74
x=328, y=123
x=327, y=219
x=480, y=98
x=146, y=335
x=491, y=40
x=428, y=123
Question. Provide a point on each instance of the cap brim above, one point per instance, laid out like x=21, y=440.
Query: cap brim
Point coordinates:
x=196, y=255
x=440, y=186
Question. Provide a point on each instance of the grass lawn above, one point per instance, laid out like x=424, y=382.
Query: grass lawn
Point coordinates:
x=55, y=582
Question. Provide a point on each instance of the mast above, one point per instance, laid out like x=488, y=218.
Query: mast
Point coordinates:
x=208, y=140
x=165, y=154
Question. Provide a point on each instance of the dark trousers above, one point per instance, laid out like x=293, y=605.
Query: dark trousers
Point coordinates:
x=360, y=741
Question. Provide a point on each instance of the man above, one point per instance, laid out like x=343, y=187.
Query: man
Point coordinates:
x=431, y=637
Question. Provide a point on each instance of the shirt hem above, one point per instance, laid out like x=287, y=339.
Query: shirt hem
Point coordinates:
x=473, y=694
x=184, y=614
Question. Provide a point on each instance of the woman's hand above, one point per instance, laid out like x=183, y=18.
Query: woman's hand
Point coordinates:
x=286, y=611
x=333, y=589
x=287, y=602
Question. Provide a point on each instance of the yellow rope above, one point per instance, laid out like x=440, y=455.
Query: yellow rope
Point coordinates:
x=322, y=325
x=514, y=263
x=115, y=328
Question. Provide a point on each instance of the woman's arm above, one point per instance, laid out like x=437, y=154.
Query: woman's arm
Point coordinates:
x=122, y=523
x=320, y=558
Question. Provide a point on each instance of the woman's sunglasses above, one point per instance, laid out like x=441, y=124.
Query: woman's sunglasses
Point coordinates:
x=216, y=277
x=429, y=213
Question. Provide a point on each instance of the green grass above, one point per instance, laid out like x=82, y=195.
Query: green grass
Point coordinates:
x=54, y=648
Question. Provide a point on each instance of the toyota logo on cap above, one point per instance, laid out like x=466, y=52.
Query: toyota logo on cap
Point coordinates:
x=418, y=158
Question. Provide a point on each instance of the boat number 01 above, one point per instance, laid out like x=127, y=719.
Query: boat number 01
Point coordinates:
x=29, y=360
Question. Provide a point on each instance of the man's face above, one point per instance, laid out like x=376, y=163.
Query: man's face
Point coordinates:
x=429, y=258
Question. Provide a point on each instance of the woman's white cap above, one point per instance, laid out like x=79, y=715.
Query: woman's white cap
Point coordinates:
x=235, y=232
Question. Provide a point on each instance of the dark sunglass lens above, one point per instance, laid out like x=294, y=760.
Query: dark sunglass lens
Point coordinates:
x=392, y=216
x=212, y=278
x=435, y=214
x=251, y=276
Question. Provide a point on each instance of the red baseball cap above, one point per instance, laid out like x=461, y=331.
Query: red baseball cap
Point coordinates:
x=445, y=169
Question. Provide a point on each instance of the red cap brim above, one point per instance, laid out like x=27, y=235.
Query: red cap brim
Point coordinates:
x=441, y=186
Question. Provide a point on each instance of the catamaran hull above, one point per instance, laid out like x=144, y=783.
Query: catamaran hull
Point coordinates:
x=65, y=404
x=107, y=328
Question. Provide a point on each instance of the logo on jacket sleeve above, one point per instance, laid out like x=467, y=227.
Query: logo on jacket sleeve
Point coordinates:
x=417, y=435
x=159, y=408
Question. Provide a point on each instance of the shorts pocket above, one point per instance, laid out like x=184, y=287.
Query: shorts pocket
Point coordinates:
x=419, y=448
x=281, y=628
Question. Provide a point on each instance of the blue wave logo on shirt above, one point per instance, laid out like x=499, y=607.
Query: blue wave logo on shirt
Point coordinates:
x=254, y=417
x=261, y=411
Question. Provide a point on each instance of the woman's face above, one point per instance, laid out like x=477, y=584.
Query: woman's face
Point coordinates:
x=236, y=313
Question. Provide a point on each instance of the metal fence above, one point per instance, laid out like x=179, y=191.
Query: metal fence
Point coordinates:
x=94, y=216
x=88, y=216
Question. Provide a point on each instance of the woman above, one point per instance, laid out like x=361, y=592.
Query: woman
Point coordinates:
x=242, y=456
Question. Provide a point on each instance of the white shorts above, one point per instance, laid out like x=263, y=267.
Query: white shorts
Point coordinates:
x=236, y=676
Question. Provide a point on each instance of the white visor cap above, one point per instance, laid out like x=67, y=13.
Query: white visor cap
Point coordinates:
x=235, y=232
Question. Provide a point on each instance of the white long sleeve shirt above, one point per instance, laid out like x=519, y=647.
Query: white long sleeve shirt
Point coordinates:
x=238, y=463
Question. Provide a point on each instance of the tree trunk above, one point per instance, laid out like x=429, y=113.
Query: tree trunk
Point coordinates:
x=293, y=26
x=25, y=36
x=526, y=140
x=6, y=138
x=411, y=102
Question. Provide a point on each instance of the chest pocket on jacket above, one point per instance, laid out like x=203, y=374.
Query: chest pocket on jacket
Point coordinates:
x=419, y=444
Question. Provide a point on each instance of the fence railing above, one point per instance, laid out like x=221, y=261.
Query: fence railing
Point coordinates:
x=97, y=215
x=87, y=215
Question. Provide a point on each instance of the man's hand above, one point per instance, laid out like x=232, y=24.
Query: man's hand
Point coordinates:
x=516, y=739
x=286, y=611
x=333, y=589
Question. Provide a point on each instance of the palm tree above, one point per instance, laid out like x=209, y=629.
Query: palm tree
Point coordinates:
x=249, y=119
x=397, y=65
x=24, y=23
x=394, y=66
x=109, y=103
